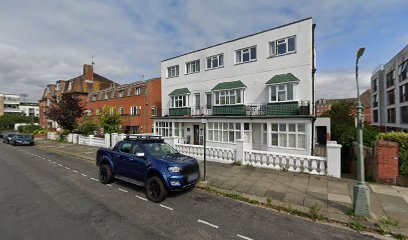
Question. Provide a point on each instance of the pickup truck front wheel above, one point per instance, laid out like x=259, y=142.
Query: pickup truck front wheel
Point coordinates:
x=105, y=174
x=155, y=189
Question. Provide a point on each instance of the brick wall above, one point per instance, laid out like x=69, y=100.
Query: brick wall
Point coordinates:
x=385, y=162
x=1, y=105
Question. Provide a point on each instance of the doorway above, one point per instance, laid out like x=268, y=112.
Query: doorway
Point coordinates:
x=196, y=134
x=321, y=135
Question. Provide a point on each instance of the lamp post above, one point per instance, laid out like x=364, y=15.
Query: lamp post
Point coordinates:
x=204, y=122
x=361, y=204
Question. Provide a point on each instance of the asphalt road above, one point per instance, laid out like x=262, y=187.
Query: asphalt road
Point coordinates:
x=44, y=195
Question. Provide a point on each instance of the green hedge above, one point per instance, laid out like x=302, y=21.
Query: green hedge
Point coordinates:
x=402, y=139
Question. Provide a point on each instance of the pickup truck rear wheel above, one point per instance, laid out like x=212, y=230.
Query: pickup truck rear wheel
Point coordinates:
x=105, y=174
x=155, y=189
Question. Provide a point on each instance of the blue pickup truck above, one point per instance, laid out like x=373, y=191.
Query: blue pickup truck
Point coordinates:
x=148, y=161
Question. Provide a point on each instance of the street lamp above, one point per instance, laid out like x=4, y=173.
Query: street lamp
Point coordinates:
x=361, y=204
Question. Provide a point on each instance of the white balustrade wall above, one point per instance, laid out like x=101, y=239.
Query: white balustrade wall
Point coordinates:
x=83, y=140
x=224, y=155
x=284, y=161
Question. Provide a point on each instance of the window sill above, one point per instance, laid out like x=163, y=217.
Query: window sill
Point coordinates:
x=172, y=77
x=191, y=73
x=280, y=55
x=254, y=60
x=207, y=69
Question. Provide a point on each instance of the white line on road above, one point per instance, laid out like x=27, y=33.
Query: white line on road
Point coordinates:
x=123, y=190
x=60, y=165
x=45, y=158
x=108, y=185
x=141, y=198
x=94, y=179
x=68, y=168
x=75, y=171
x=207, y=223
x=243, y=237
x=84, y=175
x=169, y=208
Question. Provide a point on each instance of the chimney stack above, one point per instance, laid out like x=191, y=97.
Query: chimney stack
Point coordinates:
x=88, y=72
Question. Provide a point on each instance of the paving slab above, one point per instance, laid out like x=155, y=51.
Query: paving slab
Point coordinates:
x=339, y=198
x=279, y=196
x=294, y=198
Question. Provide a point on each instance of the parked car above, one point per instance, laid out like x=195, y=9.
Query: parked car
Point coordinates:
x=148, y=161
x=7, y=138
x=20, y=139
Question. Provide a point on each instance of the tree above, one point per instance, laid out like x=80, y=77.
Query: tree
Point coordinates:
x=8, y=121
x=66, y=111
x=110, y=120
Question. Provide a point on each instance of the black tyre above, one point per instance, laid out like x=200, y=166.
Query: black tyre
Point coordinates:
x=155, y=189
x=105, y=174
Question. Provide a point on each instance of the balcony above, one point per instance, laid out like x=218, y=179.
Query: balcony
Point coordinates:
x=12, y=110
x=301, y=108
x=288, y=108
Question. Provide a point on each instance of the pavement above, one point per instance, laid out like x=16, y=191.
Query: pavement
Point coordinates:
x=332, y=196
x=47, y=195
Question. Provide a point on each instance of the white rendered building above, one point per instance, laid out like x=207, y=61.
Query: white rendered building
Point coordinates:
x=30, y=109
x=258, y=88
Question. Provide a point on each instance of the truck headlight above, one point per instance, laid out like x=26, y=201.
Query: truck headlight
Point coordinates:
x=174, y=169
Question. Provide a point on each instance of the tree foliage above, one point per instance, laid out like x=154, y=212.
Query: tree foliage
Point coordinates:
x=343, y=127
x=66, y=111
x=88, y=127
x=110, y=120
x=7, y=121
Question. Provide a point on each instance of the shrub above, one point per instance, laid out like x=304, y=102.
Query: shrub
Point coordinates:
x=30, y=128
x=402, y=139
x=86, y=128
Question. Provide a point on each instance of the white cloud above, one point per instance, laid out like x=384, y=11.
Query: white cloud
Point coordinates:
x=341, y=84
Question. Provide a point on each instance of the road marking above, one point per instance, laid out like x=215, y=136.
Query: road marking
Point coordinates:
x=109, y=185
x=141, y=198
x=59, y=164
x=49, y=161
x=84, y=175
x=169, y=208
x=94, y=179
x=45, y=158
x=243, y=237
x=207, y=223
x=75, y=171
x=68, y=168
x=123, y=190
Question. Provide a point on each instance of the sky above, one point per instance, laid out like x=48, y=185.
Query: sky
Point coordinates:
x=44, y=41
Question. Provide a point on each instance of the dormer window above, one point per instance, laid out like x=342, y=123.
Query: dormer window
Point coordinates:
x=69, y=85
x=282, y=88
x=121, y=93
x=57, y=87
x=106, y=96
x=93, y=98
x=138, y=91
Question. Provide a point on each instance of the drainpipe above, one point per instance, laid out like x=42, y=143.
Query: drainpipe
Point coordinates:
x=313, y=85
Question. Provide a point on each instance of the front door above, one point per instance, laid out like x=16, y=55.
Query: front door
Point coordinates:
x=321, y=135
x=196, y=135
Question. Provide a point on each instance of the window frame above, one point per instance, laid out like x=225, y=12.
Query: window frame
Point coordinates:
x=226, y=94
x=175, y=68
x=193, y=65
x=225, y=132
x=138, y=91
x=280, y=132
x=241, y=54
x=285, y=90
x=154, y=111
x=134, y=113
x=164, y=129
x=219, y=58
x=183, y=99
x=273, y=46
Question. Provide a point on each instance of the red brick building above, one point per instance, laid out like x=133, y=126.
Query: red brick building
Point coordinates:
x=79, y=86
x=137, y=102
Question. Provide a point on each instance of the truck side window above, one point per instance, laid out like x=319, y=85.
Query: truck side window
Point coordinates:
x=136, y=149
x=125, y=148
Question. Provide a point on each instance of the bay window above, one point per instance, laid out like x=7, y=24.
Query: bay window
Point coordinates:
x=228, y=97
x=224, y=132
x=179, y=101
x=281, y=92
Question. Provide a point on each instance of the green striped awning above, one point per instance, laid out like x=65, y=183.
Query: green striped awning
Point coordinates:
x=229, y=85
x=282, y=78
x=180, y=91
